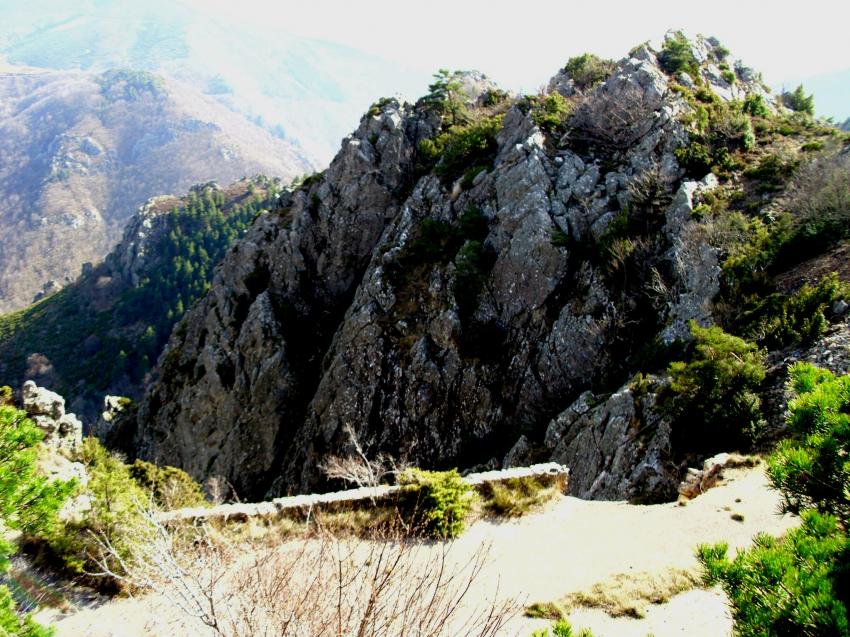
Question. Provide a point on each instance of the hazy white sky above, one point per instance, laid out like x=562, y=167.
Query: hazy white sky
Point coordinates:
x=521, y=43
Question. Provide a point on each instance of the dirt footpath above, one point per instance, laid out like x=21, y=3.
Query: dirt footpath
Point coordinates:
x=542, y=557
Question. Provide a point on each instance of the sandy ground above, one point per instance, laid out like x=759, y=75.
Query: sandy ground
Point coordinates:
x=542, y=557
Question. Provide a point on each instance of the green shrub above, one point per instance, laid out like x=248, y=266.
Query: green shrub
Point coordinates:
x=712, y=396
x=788, y=586
x=755, y=105
x=717, y=130
x=461, y=147
x=587, y=70
x=7, y=396
x=750, y=244
x=494, y=97
x=560, y=239
x=439, y=501
x=171, y=488
x=695, y=158
x=378, y=106
x=799, y=584
x=436, y=241
x=772, y=172
x=28, y=503
x=551, y=113
x=472, y=263
x=116, y=515
x=778, y=320
x=728, y=76
x=677, y=56
x=561, y=628
x=812, y=468
x=798, y=101
x=14, y=625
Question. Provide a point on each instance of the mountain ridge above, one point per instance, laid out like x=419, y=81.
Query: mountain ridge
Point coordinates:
x=444, y=290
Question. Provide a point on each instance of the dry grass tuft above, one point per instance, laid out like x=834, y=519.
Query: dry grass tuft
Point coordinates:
x=517, y=496
x=622, y=595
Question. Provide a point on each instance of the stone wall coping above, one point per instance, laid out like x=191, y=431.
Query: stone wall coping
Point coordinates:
x=277, y=506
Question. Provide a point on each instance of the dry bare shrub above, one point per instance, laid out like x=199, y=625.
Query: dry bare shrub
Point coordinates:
x=358, y=469
x=819, y=196
x=324, y=586
x=614, y=118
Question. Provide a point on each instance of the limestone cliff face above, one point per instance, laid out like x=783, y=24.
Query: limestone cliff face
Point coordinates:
x=331, y=313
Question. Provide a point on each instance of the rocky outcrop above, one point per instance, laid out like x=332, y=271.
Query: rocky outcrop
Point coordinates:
x=63, y=436
x=618, y=447
x=699, y=481
x=439, y=318
x=63, y=431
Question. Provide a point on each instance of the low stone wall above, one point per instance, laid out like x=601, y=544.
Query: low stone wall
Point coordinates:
x=550, y=473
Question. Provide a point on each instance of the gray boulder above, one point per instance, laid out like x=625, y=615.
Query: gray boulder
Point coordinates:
x=63, y=431
x=617, y=447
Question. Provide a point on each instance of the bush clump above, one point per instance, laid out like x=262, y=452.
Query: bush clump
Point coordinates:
x=755, y=105
x=115, y=515
x=551, y=113
x=787, y=586
x=799, y=584
x=453, y=152
x=677, y=56
x=798, y=101
x=812, y=469
x=712, y=396
x=438, y=501
x=472, y=263
x=778, y=320
x=718, y=129
x=587, y=70
x=28, y=503
x=515, y=497
x=171, y=488
x=562, y=628
x=771, y=173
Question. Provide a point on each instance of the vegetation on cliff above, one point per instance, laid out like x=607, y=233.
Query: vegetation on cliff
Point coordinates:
x=105, y=332
x=29, y=503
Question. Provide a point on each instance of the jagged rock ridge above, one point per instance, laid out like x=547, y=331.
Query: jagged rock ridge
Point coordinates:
x=441, y=319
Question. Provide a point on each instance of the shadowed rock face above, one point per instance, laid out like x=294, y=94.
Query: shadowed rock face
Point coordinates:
x=328, y=315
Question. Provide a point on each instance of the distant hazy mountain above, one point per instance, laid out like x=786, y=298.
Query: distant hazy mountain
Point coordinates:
x=80, y=152
x=303, y=90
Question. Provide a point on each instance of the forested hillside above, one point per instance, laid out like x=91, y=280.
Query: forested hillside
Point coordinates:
x=103, y=333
